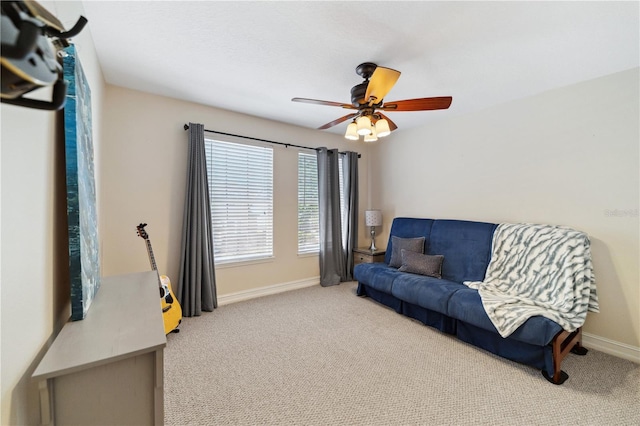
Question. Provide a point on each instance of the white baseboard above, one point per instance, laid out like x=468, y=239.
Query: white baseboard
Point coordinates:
x=611, y=347
x=266, y=291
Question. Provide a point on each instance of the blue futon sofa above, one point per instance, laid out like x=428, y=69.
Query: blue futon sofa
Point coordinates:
x=450, y=306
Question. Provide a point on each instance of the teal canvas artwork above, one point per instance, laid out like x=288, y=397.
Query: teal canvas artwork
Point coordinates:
x=84, y=265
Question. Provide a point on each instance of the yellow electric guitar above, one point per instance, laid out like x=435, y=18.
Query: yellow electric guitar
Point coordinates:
x=171, y=310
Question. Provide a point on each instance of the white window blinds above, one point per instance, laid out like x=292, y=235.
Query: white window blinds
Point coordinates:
x=241, y=197
x=308, y=206
x=308, y=215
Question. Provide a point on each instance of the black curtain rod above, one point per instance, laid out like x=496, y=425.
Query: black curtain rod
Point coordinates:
x=286, y=145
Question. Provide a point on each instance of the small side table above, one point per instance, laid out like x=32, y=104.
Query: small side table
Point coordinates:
x=364, y=255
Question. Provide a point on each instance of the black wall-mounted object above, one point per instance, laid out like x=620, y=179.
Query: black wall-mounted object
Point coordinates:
x=31, y=39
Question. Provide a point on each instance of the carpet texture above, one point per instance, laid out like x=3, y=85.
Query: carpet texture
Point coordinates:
x=323, y=356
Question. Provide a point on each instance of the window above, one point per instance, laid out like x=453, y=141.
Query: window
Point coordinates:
x=241, y=197
x=308, y=206
x=308, y=214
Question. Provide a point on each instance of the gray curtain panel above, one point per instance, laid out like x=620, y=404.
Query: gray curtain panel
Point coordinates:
x=350, y=218
x=196, y=290
x=332, y=263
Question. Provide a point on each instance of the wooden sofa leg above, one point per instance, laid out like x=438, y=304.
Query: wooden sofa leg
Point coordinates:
x=562, y=344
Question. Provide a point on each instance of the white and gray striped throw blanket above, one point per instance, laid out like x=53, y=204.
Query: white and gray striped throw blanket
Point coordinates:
x=538, y=270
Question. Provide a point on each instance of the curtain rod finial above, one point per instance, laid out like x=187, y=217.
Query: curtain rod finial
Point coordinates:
x=186, y=127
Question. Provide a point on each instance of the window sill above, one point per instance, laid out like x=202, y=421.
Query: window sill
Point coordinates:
x=314, y=254
x=239, y=263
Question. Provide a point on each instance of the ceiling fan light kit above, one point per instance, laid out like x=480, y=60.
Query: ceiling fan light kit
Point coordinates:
x=368, y=96
x=382, y=128
x=352, y=132
x=371, y=137
x=376, y=130
x=364, y=125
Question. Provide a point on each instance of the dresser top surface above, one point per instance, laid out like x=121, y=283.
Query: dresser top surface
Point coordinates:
x=124, y=320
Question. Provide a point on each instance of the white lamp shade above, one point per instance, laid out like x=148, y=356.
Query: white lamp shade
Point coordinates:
x=364, y=125
x=382, y=128
x=373, y=218
x=372, y=137
x=352, y=132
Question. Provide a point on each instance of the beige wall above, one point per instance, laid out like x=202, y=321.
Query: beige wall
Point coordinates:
x=569, y=156
x=143, y=163
x=35, y=289
x=28, y=251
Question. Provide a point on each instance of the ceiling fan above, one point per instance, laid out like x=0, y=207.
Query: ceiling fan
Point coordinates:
x=367, y=99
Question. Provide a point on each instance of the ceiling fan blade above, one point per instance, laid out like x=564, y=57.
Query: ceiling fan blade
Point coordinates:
x=338, y=121
x=382, y=80
x=392, y=125
x=319, y=102
x=420, y=104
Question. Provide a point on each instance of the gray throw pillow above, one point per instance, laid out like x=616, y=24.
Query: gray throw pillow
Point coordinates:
x=409, y=244
x=422, y=264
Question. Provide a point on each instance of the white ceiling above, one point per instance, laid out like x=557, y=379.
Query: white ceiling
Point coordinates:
x=253, y=57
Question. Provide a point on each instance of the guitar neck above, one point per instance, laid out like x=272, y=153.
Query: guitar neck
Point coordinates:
x=152, y=259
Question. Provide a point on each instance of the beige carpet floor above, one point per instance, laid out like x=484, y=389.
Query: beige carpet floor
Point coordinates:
x=323, y=356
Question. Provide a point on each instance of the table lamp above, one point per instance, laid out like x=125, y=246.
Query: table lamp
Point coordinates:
x=373, y=218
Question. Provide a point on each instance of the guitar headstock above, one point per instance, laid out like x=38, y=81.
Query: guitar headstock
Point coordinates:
x=141, y=232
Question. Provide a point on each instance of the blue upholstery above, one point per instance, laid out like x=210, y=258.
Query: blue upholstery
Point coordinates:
x=466, y=305
x=368, y=273
x=534, y=355
x=428, y=317
x=381, y=297
x=466, y=247
x=428, y=292
x=447, y=304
